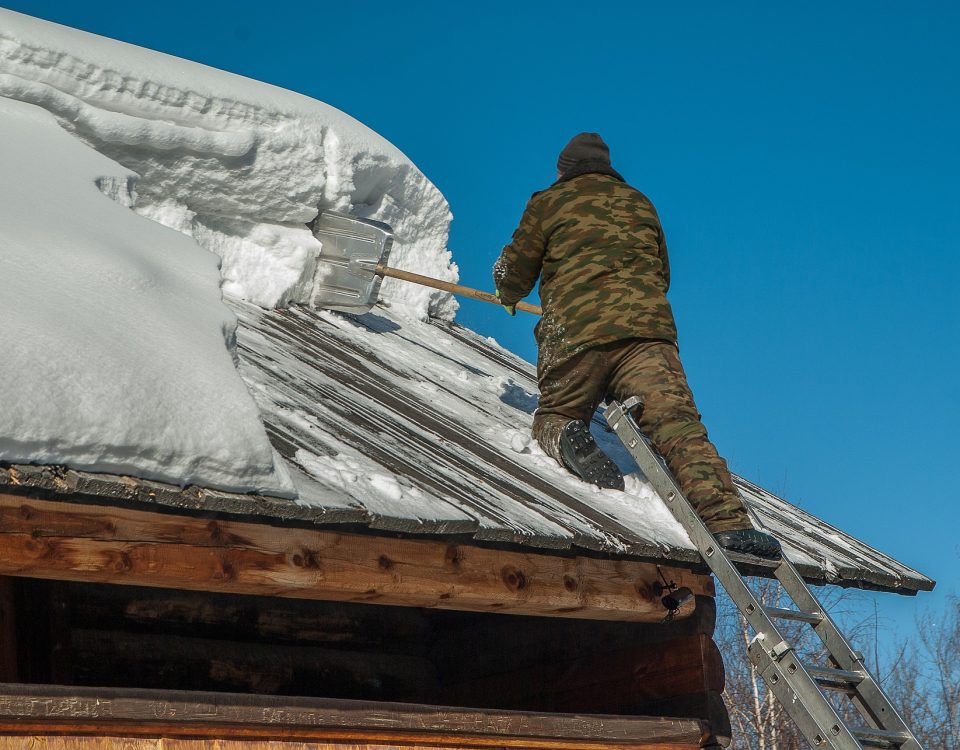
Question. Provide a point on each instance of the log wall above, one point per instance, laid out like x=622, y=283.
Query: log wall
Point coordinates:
x=133, y=637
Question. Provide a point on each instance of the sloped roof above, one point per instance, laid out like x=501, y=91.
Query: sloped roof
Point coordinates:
x=449, y=412
x=422, y=428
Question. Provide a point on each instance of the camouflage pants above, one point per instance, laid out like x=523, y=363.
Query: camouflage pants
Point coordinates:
x=650, y=369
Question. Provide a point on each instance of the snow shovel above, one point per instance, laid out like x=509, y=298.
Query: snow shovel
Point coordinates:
x=353, y=262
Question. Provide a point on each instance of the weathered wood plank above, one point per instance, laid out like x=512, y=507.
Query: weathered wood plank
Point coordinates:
x=707, y=705
x=33, y=709
x=66, y=541
x=8, y=633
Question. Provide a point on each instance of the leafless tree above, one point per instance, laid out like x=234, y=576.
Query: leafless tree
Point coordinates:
x=924, y=678
x=759, y=721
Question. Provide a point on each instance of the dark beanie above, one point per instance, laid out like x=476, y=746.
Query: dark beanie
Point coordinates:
x=583, y=147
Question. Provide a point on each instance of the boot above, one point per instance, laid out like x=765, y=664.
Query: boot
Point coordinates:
x=583, y=457
x=750, y=542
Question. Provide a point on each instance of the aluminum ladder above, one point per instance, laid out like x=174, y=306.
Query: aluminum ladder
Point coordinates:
x=799, y=687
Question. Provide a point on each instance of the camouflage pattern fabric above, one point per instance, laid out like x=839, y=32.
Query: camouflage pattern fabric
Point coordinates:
x=649, y=369
x=598, y=248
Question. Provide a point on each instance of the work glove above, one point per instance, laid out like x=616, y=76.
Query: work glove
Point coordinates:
x=511, y=309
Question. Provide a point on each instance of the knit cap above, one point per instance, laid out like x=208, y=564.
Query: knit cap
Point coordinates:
x=583, y=147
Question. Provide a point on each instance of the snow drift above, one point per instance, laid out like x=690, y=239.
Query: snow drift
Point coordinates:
x=114, y=335
x=118, y=352
x=237, y=164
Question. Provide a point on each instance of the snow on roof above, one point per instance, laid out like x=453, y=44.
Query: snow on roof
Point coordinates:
x=423, y=428
x=237, y=164
x=121, y=352
x=115, y=339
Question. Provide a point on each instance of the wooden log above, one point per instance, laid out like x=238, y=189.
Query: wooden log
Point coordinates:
x=60, y=645
x=614, y=681
x=706, y=705
x=67, y=541
x=8, y=633
x=469, y=645
x=35, y=639
x=124, y=739
x=46, y=710
x=178, y=662
x=609, y=683
x=354, y=627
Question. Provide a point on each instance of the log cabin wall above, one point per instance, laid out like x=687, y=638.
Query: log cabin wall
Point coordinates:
x=131, y=637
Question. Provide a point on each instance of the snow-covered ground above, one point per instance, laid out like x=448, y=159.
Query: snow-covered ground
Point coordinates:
x=118, y=353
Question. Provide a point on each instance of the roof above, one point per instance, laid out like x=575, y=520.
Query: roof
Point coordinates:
x=422, y=428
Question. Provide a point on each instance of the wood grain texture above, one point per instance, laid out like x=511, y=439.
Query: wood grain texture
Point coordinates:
x=706, y=705
x=51, y=710
x=66, y=541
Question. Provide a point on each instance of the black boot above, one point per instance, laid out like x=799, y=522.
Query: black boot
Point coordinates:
x=583, y=457
x=750, y=542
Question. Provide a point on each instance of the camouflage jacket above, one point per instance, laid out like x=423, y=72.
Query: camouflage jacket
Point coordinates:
x=598, y=248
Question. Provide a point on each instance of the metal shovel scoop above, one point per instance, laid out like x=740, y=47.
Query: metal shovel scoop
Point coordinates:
x=352, y=264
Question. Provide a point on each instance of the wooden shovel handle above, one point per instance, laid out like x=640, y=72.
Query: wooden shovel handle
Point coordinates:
x=446, y=286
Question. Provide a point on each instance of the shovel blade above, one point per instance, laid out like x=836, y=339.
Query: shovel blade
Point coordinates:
x=345, y=278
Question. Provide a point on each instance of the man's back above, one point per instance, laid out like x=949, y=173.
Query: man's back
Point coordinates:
x=599, y=247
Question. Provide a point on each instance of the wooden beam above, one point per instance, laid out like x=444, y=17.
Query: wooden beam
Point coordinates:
x=36, y=739
x=608, y=683
x=301, y=622
x=75, y=542
x=113, y=657
x=51, y=710
x=480, y=646
x=707, y=705
x=8, y=633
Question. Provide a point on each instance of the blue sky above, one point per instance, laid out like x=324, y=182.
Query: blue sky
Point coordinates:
x=805, y=164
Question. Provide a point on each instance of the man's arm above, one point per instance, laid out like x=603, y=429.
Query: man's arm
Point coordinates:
x=516, y=270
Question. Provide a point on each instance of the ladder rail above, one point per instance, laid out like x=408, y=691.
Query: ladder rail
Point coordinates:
x=783, y=672
x=867, y=696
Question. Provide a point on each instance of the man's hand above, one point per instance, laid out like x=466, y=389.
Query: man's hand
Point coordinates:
x=511, y=309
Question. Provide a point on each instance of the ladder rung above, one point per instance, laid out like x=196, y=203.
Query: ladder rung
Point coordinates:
x=880, y=737
x=836, y=679
x=814, y=618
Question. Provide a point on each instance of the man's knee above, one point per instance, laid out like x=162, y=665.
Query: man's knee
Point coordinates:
x=673, y=428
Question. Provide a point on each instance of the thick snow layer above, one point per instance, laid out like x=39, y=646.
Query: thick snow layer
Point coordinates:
x=236, y=164
x=116, y=344
x=118, y=352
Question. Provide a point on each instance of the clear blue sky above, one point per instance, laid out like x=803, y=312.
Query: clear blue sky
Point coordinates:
x=805, y=163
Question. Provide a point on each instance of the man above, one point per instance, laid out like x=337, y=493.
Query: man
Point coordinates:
x=607, y=328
